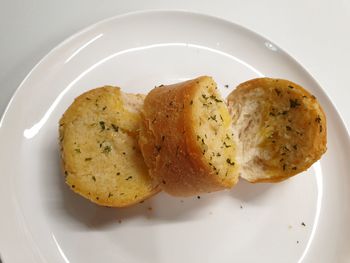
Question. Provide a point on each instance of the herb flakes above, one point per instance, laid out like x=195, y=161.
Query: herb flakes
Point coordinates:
x=228, y=160
x=115, y=128
x=158, y=148
x=102, y=125
x=294, y=103
x=215, y=98
x=227, y=145
x=107, y=149
x=213, y=117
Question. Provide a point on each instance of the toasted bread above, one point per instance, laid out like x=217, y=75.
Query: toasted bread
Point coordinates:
x=100, y=154
x=186, y=138
x=279, y=129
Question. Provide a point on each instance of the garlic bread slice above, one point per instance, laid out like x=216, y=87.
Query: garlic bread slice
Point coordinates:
x=186, y=138
x=279, y=128
x=100, y=154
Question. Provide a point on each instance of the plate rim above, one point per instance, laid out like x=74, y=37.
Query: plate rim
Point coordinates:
x=165, y=10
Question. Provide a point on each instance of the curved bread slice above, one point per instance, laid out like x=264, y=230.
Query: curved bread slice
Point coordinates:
x=100, y=154
x=279, y=127
x=186, y=139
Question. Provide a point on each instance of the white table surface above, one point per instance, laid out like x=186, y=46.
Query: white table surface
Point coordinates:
x=315, y=32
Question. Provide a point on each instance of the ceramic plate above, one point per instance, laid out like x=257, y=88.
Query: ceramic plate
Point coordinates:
x=304, y=219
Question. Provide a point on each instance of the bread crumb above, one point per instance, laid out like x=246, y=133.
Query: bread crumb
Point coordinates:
x=198, y=197
x=303, y=224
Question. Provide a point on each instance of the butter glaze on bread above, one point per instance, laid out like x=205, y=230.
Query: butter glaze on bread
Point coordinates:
x=186, y=138
x=279, y=129
x=100, y=154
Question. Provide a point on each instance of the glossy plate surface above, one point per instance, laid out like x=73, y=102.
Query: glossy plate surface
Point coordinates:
x=304, y=219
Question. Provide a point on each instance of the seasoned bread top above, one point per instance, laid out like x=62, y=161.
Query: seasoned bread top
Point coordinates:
x=100, y=153
x=186, y=138
x=279, y=128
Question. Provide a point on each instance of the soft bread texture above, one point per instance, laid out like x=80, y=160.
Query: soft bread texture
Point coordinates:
x=100, y=154
x=279, y=129
x=186, y=138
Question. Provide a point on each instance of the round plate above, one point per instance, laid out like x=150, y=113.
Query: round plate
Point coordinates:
x=304, y=219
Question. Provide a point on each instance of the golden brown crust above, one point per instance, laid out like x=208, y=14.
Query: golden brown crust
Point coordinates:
x=289, y=124
x=100, y=154
x=169, y=144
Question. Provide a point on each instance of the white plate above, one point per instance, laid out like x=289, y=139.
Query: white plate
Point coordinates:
x=304, y=219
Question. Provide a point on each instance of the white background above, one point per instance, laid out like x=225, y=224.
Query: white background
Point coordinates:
x=315, y=32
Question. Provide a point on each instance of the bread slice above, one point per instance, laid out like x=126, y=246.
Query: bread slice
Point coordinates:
x=279, y=129
x=186, y=139
x=101, y=158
